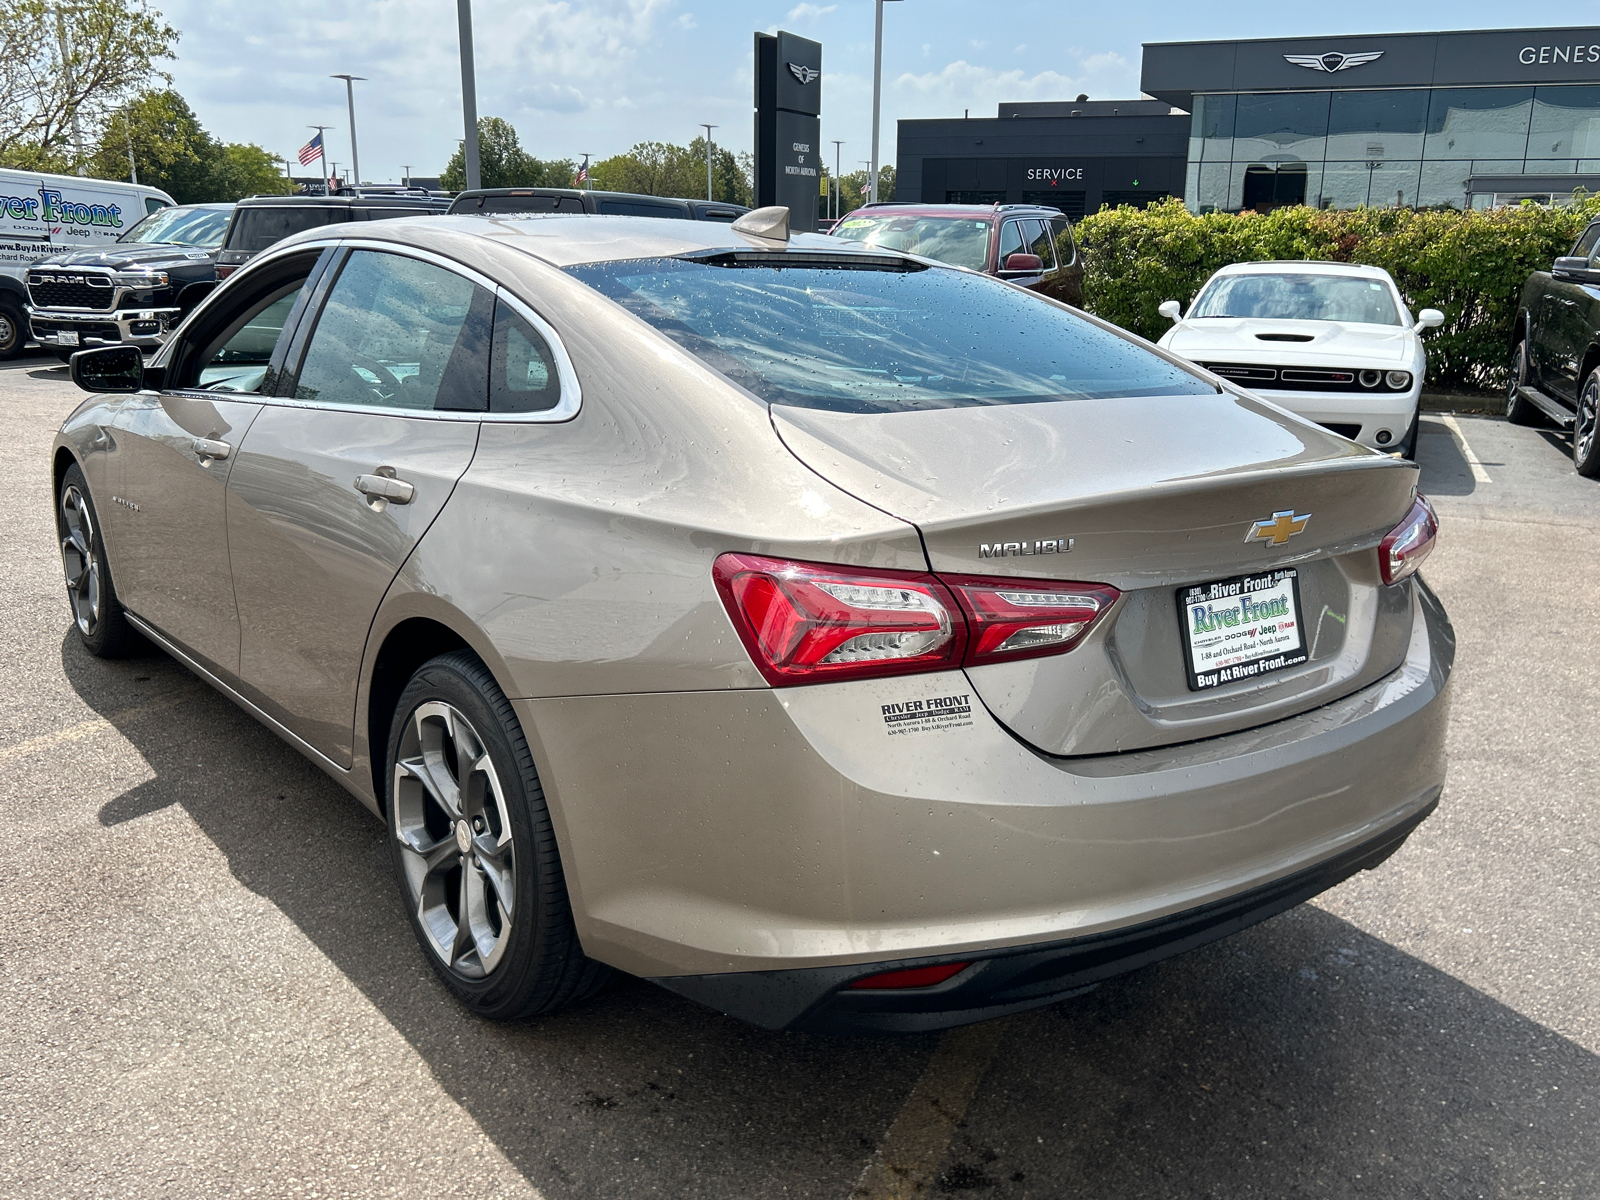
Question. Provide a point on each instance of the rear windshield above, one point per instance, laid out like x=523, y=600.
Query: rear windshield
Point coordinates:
x=200, y=227
x=959, y=241
x=640, y=208
x=1298, y=297
x=882, y=340
x=255, y=229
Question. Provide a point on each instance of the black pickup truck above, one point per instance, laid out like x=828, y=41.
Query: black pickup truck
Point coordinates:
x=1555, y=350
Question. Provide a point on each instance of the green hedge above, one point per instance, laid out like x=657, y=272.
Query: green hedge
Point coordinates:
x=1470, y=265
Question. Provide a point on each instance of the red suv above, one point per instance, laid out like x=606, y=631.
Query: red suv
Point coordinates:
x=1028, y=244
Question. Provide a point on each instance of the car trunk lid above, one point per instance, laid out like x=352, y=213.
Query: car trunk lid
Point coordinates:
x=1149, y=495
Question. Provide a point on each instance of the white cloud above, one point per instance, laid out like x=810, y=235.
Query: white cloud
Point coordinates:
x=961, y=84
x=809, y=12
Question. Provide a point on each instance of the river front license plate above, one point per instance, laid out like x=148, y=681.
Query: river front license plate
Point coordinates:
x=1241, y=628
x=67, y=337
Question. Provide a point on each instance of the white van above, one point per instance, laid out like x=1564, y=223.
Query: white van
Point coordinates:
x=44, y=214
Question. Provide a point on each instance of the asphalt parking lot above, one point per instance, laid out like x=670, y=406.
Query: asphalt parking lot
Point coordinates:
x=210, y=988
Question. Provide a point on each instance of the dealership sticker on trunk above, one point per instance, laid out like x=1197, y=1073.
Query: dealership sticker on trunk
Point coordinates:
x=927, y=714
x=1241, y=628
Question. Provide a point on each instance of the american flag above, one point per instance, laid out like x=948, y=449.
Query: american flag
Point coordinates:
x=312, y=150
x=583, y=173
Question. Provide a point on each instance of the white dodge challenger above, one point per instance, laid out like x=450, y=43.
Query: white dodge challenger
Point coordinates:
x=1333, y=342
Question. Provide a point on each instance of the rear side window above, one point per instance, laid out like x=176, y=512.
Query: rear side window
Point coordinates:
x=1041, y=243
x=871, y=340
x=255, y=229
x=396, y=332
x=522, y=371
x=1066, y=249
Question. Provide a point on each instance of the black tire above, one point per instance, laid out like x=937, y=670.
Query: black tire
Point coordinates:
x=91, y=595
x=451, y=716
x=1586, y=428
x=13, y=327
x=1408, y=448
x=1518, y=410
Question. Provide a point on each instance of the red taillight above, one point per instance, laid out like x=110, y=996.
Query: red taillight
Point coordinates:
x=1024, y=618
x=223, y=270
x=811, y=622
x=1401, y=552
x=916, y=977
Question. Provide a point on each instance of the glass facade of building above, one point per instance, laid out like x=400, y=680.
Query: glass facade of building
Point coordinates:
x=1412, y=147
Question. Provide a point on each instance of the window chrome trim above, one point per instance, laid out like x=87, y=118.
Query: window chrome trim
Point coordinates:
x=571, y=394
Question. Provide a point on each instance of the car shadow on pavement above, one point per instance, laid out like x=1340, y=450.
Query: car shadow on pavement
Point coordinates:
x=1445, y=470
x=1300, y=1057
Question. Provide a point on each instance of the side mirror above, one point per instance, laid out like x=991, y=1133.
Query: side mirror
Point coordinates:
x=1429, y=318
x=1023, y=262
x=109, y=369
x=189, y=299
x=1170, y=309
x=1568, y=265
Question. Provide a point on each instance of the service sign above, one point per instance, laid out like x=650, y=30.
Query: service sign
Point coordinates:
x=1242, y=628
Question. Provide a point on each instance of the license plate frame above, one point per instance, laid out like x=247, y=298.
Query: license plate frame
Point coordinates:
x=67, y=337
x=1209, y=658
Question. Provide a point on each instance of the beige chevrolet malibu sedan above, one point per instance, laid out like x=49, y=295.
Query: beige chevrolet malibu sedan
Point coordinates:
x=840, y=639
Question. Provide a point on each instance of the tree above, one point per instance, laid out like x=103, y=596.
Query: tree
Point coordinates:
x=665, y=169
x=175, y=153
x=64, y=66
x=502, y=162
x=853, y=187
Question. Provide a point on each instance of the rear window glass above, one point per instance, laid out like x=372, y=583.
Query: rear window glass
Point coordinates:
x=882, y=340
x=633, y=208
x=1298, y=297
x=959, y=241
x=254, y=229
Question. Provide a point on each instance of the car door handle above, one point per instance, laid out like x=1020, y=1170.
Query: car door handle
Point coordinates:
x=385, y=487
x=211, y=448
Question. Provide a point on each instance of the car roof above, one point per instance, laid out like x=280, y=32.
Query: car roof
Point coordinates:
x=1305, y=267
x=386, y=200
x=578, y=239
x=221, y=205
x=986, y=211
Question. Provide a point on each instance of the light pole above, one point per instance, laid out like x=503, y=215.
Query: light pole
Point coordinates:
x=350, y=97
x=469, y=94
x=877, y=96
x=406, y=169
x=838, y=197
x=708, y=129
x=322, y=153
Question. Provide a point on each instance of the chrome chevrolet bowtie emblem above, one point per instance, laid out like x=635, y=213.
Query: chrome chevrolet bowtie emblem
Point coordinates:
x=1283, y=526
x=1333, y=60
x=803, y=74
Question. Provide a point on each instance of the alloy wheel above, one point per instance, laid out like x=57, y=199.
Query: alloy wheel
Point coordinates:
x=9, y=332
x=450, y=819
x=80, y=560
x=1583, y=428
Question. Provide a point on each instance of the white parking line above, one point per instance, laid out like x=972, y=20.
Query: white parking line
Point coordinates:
x=1478, y=473
x=907, y=1163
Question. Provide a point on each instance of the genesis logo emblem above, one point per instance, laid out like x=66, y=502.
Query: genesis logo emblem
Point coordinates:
x=803, y=74
x=1333, y=60
x=1283, y=526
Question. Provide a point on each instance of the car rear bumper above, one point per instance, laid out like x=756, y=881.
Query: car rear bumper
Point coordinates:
x=822, y=1000
x=759, y=833
x=143, y=327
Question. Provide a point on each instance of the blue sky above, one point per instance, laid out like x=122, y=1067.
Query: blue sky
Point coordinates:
x=600, y=75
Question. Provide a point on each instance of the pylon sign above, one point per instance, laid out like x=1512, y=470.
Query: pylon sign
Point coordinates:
x=788, y=126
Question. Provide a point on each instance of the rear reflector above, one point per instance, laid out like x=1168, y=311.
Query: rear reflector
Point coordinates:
x=1405, y=546
x=916, y=977
x=813, y=622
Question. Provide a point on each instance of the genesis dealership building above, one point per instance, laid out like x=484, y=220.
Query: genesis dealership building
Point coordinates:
x=1466, y=119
